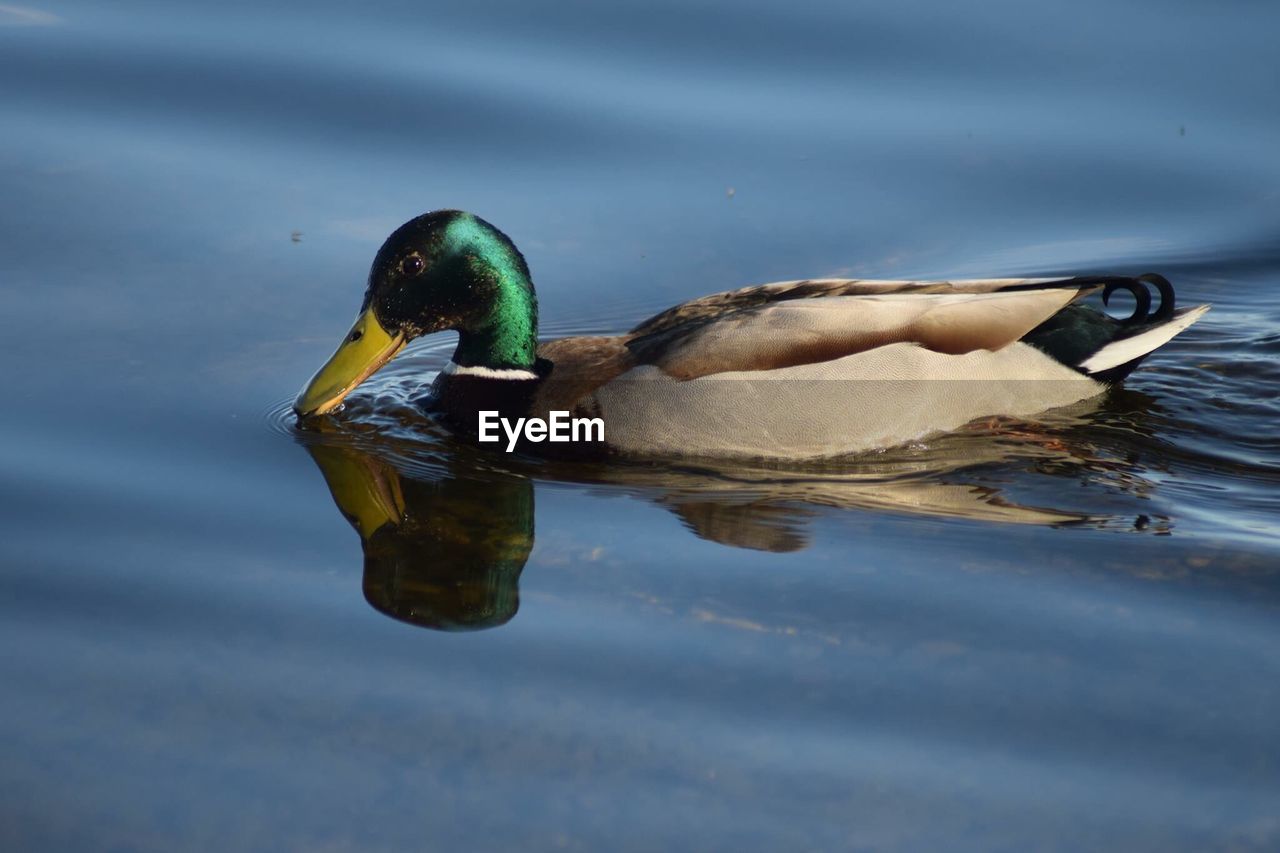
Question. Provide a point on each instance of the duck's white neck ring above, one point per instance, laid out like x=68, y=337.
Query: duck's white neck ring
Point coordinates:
x=488, y=372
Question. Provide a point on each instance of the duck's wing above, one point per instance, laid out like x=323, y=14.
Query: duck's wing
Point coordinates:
x=717, y=304
x=804, y=322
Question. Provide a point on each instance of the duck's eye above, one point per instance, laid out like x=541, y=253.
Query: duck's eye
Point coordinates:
x=412, y=265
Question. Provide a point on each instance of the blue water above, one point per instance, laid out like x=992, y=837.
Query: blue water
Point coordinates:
x=1058, y=635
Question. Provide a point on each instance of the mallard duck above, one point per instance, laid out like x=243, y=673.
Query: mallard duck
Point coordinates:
x=867, y=364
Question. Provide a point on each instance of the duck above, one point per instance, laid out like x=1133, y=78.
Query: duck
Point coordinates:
x=793, y=370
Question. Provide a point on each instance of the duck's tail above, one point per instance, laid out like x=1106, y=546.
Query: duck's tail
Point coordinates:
x=1118, y=358
x=1106, y=348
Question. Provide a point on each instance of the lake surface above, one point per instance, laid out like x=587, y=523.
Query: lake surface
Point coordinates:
x=222, y=633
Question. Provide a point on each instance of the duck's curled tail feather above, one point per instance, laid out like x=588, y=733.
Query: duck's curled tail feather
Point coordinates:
x=1106, y=348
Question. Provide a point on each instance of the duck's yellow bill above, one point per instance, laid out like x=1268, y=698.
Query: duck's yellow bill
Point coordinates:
x=366, y=348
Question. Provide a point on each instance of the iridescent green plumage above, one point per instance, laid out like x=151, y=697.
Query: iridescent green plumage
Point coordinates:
x=506, y=335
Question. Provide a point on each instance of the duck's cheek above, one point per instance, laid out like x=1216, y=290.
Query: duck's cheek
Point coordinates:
x=366, y=348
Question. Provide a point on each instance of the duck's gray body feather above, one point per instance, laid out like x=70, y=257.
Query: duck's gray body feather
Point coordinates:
x=882, y=397
x=826, y=367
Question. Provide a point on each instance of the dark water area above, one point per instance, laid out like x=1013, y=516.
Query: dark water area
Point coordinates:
x=224, y=633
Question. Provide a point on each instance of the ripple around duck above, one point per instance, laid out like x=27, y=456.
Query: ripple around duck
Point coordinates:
x=1121, y=451
x=1191, y=423
x=279, y=417
x=1006, y=470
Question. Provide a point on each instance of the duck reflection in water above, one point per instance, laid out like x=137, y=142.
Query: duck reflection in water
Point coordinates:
x=440, y=553
x=445, y=542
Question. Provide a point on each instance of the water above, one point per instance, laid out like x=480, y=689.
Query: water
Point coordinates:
x=1053, y=635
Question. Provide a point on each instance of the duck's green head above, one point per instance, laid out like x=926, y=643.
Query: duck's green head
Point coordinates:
x=443, y=270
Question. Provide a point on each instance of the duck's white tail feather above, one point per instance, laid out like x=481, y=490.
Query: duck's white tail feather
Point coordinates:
x=1136, y=346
